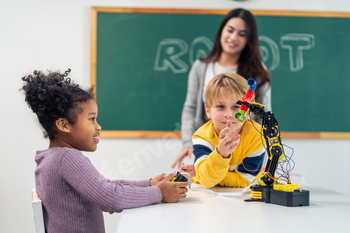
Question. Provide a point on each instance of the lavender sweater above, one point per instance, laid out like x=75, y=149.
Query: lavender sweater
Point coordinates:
x=74, y=193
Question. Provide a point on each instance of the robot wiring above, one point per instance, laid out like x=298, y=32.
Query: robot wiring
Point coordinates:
x=286, y=165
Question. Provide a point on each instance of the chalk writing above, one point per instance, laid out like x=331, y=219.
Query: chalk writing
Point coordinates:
x=170, y=51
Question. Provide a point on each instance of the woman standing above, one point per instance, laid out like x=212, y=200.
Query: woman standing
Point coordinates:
x=236, y=50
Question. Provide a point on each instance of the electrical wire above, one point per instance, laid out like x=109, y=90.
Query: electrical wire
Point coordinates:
x=226, y=194
x=285, y=166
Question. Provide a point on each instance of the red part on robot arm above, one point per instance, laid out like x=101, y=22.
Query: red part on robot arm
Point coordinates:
x=247, y=98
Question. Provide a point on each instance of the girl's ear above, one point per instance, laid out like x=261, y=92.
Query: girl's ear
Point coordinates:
x=207, y=111
x=62, y=125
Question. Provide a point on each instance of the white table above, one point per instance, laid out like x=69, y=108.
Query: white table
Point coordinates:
x=329, y=212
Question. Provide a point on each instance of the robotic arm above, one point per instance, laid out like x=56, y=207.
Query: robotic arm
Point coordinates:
x=272, y=138
x=267, y=189
x=270, y=131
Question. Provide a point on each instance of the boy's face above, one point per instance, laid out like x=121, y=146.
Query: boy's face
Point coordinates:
x=223, y=109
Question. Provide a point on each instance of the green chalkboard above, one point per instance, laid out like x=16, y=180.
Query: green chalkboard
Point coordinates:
x=141, y=59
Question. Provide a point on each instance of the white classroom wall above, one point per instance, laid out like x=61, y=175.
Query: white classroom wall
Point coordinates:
x=55, y=34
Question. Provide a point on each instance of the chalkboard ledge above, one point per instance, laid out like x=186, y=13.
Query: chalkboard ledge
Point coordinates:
x=176, y=134
x=320, y=135
x=139, y=134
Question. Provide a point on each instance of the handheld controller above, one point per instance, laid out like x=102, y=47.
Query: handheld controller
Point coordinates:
x=179, y=178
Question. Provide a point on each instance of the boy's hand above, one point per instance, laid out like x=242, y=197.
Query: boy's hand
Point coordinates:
x=157, y=179
x=228, y=140
x=172, y=191
x=189, y=168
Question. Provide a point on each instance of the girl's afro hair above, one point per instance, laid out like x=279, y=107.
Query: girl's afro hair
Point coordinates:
x=53, y=96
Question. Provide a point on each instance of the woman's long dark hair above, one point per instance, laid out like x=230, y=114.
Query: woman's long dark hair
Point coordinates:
x=249, y=63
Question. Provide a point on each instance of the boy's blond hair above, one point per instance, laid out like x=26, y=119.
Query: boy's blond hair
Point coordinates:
x=236, y=84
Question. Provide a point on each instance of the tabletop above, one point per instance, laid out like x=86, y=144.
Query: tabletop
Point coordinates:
x=329, y=211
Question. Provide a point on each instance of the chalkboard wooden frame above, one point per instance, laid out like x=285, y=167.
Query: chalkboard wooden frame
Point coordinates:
x=159, y=134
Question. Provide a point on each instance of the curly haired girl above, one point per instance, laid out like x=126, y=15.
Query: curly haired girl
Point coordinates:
x=72, y=191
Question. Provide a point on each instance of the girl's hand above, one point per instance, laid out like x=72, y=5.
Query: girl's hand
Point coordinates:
x=157, y=179
x=189, y=168
x=172, y=191
x=228, y=140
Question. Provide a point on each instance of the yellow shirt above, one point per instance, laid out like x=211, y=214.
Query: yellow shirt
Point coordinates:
x=212, y=168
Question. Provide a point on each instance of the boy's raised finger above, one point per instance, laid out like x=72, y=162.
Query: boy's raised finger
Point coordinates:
x=228, y=124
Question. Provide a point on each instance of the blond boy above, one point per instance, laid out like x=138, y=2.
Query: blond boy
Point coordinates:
x=227, y=152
